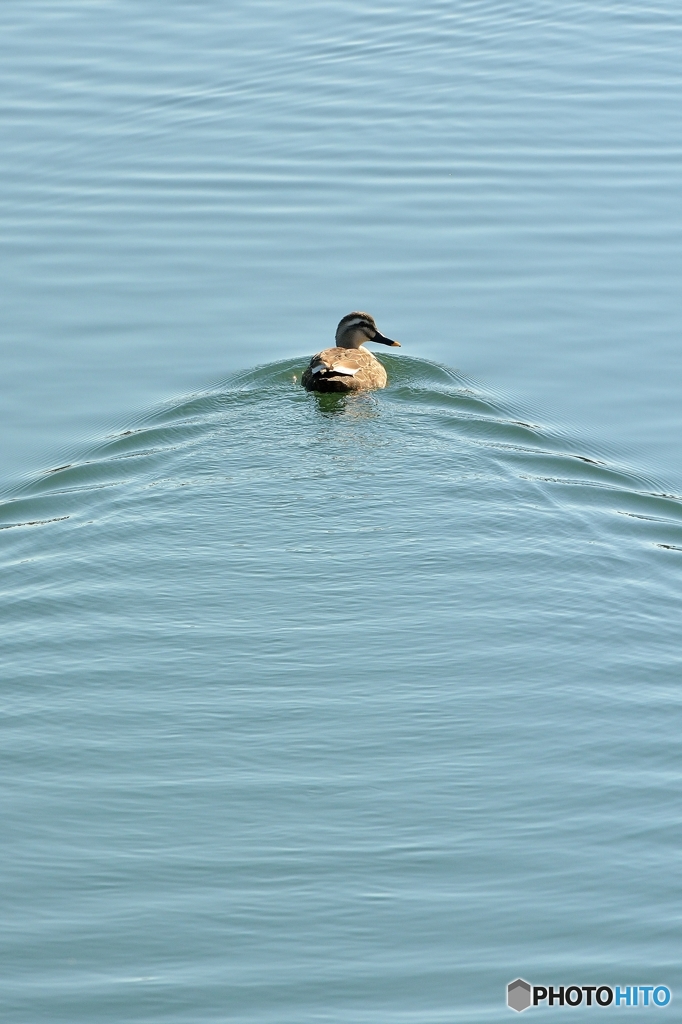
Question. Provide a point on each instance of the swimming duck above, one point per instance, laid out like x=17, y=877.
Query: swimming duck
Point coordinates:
x=349, y=366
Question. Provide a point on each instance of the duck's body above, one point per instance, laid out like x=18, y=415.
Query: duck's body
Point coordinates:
x=348, y=366
x=343, y=369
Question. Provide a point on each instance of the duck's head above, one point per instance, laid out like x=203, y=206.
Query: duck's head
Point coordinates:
x=357, y=328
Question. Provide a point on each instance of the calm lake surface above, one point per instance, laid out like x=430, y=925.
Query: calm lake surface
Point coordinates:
x=319, y=709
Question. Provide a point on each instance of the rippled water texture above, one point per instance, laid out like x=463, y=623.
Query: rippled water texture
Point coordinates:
x=336, y=708
x=325, y=709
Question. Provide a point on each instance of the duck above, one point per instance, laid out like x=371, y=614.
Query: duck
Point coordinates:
x=349, y=366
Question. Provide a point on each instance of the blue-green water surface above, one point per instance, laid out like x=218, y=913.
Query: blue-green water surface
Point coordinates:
x=339, y=709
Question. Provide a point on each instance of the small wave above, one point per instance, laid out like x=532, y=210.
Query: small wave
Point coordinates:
x=33, y=522
x=262, y=421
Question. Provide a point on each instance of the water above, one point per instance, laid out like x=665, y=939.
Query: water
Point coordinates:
x=324, y=709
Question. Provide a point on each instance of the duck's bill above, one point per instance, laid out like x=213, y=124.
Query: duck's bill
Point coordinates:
x=385, y=341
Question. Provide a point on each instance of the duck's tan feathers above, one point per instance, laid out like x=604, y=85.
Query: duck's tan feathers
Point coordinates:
x=344, y=369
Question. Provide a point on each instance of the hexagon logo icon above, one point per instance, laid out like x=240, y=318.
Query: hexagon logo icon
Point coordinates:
x=518, y=995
